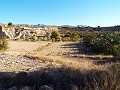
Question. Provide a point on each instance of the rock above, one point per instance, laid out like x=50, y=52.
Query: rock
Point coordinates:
x=45, y=87
x=26, y=88
x=13, y=88
x=72, y=87
x=22, y=88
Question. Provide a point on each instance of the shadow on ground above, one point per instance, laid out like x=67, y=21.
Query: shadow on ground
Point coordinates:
x=80, y=52
x=78, y=48
x=106, y=61
x=63, y=79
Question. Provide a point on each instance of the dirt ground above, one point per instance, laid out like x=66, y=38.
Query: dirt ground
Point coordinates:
x=20, y=56
x=73, y=50
x=23, y=47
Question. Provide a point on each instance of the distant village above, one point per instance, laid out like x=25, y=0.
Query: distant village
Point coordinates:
x=43, y=32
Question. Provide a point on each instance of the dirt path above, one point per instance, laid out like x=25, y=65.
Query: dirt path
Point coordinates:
x=15, y=60
x=23, y=47
x=63, y=49
x=47, y=48
x=70, y=50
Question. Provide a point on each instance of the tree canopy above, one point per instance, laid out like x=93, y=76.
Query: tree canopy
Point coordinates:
x=10, y=24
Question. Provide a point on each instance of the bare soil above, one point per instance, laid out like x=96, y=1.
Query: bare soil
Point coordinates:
x=17, y=58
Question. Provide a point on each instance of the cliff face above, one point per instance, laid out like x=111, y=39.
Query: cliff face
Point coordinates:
x=2, y=34
x=9, y=31
x=25, y=33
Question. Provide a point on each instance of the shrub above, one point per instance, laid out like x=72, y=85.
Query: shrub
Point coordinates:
x=55, y=35
x=74, y=36
x=106, y=43
x=116, y=50
x=65, y=39
x=53, y=40
x=3, y=45
x=89, y=40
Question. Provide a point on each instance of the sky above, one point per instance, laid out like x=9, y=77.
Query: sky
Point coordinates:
x=61, y=12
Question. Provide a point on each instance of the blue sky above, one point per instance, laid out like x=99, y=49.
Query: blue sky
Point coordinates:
x=61, y=12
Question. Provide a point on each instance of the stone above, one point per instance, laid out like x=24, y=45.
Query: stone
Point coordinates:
x=25, y=88
x=21, y=88
x=45, y=87
x=13, y=88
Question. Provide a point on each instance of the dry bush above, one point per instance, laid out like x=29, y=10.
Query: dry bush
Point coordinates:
x=85, y=75
x=3, y=44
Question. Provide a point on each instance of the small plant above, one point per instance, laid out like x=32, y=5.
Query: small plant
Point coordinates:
x=3, y=44
x=65, y=39
x=53, y=40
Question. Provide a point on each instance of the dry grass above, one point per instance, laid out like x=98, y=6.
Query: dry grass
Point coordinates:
x=80, y=74
x=84, y=64
x=42, y=47
x=84, y=75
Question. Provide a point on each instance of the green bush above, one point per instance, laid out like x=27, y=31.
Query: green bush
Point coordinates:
x=64, y=39
x=116, y=50
x=3, y=45
x=74, y=36
x=55, y=36
x=106, y=43
x=53, y=40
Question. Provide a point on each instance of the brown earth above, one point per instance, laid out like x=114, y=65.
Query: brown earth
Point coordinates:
x=31, y=56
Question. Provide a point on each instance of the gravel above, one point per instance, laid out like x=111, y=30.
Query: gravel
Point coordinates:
x=18, y=63
x=14, y=60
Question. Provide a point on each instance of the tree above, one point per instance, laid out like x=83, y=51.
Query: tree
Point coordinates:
x=10, y=24
x=55, y=36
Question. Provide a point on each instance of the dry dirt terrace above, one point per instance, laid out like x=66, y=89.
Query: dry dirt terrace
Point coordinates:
x=31, y=56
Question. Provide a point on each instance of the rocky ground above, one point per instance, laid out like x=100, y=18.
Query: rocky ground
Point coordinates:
x=21, y=57
x=62, y=49
x=19, y=63
x=70, y=50
x=23, y=47
x=17, y=58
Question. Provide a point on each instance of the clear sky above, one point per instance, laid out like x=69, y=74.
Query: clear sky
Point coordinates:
x=61, y=12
